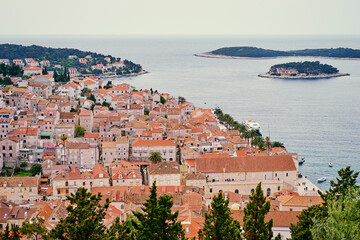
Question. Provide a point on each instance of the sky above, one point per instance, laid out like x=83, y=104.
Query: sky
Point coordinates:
x=173, y=17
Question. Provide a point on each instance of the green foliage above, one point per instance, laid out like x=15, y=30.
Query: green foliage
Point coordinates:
x=181, y=100
x=219, y=224
x=63, y=137
x=162, y=100
x=259, y=142
x=13, y=234
x=35, y=169
x=277, y=144
x=255, y=227
x=6, y=81
x=84, y=218
x=79, y=131
x=11, y=70
x=92, y=98
x=302, y=230
x=105, y=104
x=347, y=179
x=345, y=185
x=35, y=230
x=119, y=231
x=73, y=110
x=307, y=67
x=156, y=220
x=260, y=52
x=146, y=111
x=23, y=164
x=155, y=157
x=342, y=220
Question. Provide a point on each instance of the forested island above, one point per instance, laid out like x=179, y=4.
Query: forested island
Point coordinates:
x=254, y=52
x=301, y=70
x=68, y=60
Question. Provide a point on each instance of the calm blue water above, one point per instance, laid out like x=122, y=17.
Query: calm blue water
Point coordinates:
x=318, y=119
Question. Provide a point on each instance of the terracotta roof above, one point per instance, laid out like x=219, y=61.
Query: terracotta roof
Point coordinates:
x=85, y=113
x=91, y=135
x=143, y=143
x=67, y=115
x=280, y=218
x=246, y=164
x=304, y=201
x=15, y=181
x=164, y=168
x=109, y=145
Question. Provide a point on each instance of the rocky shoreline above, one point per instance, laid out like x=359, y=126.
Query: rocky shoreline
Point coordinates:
x=267, y=75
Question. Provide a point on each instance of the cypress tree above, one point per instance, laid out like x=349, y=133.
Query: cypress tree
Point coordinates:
x=156, y=222
x=219, y=224
x=84, y=219
x=255, y=227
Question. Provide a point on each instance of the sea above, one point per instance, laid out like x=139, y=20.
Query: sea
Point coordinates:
x=318, y=119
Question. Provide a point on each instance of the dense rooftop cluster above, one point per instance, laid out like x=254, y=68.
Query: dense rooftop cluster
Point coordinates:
x=116, y=140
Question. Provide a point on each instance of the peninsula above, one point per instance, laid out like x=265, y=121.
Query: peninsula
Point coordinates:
x=66, y=61
x=254, y=52
x=302, y=70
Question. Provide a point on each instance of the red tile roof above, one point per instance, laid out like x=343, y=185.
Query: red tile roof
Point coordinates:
x=245, y=164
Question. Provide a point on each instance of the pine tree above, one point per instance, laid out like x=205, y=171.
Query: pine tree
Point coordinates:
x=347, y=179
x=219, y=224
x=119, y=231
x=156, y=222
x=84, y=219
x=255, y=227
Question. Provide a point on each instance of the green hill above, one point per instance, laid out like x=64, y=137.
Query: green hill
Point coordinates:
x=254, y=52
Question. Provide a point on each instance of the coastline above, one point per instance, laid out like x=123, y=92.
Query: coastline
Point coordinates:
x=210, y=55
x=119, y=76
x=322, y=76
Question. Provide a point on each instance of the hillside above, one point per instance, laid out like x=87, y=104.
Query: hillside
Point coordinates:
x=254, y=52
x=85, y=62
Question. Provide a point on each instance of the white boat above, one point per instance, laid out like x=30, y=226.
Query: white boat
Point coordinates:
x=252, y=125
x=301, y=161
x=331, y=164
x=320, y=180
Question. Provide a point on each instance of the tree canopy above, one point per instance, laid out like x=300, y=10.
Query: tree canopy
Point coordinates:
x=84, y=219
x=260, y=52
x=219, y=225
x=156, y=221
x=255, y=227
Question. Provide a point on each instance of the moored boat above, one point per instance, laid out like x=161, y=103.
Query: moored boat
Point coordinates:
x=331, y=164
x=252, y=125
x=301, y=161
x=320, y=180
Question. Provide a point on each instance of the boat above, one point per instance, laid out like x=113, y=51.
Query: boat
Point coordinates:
x=252, y=125
x=320, y=180
x=301, y=161
x=331, y=164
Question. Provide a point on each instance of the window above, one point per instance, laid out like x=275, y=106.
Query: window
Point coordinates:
x=268, y=192
x=287, y=174
x=187, y=230
x=236, y=191
x=278, y=188
x=290, y=209
x=252, y=190
x=275, y=174
x=211, y=190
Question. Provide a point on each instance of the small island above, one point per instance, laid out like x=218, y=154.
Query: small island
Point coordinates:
x=254, y=52
x=302, y=70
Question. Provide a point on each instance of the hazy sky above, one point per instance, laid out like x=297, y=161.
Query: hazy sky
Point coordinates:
x=330, y=17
